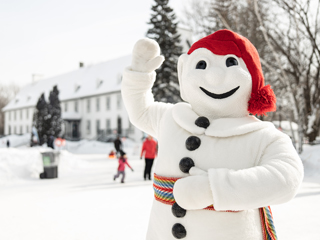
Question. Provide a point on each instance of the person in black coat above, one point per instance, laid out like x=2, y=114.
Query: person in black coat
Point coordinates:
x=117, y=145
x=50, y=142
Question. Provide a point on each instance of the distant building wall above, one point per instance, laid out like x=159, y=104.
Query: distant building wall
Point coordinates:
x=18, y=121
x=106, y=110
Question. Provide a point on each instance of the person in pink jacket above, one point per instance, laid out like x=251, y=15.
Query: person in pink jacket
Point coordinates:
x=122, y=165
x=149, y=150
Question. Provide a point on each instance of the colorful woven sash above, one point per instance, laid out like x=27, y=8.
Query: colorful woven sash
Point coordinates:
x=163, y=192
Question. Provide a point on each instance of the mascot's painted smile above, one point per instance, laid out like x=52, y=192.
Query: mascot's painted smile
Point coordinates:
x=220, y=96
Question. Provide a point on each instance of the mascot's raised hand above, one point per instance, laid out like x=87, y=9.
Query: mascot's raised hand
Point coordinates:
x=146, y=56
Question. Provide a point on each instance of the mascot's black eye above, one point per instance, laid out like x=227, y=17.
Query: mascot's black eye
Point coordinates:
x=231, y=61
x=201, y=65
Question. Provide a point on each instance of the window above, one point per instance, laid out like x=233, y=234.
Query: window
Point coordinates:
x=119, y=125
x=65, y=106
x=9, y=113
x=9, y=130
x=21, y=114
x=27, y=113
x=88, y=126
x=88, y=105
x=108, y=102
x=21, y=130
x=14, y=130
x=98, y=127
x=98, y=104
x=14, y=117
x=108, y=126
x=27, y=129
x=76, y=106
x=119, y=101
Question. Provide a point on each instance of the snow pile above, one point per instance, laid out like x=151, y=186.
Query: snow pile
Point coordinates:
x=16, y=164
x=311, y=161
x=288, y=128
x=23, y=164
x=15, y=140
x=286, y=125
x=69, y=162
x=95, y=147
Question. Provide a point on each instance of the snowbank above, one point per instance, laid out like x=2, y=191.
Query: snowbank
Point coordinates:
x=95, y=147
x=311, y=161
x=16, y=164
x=15, y=140
x=285, y=127
x=23, y=164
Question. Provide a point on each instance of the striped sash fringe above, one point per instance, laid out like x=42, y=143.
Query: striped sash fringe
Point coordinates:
x=163, y=192
x=268, y=229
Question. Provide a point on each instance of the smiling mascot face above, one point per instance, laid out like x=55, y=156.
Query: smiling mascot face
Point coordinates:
x=221, y=76
x=211, y=86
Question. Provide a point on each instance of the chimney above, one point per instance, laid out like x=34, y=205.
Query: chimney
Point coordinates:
x=81, y=64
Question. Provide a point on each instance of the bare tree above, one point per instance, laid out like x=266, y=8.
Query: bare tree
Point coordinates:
x=294, y=39
x=286, y=34
x=7, y=92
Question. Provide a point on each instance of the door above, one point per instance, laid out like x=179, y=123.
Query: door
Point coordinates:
x=75, y=130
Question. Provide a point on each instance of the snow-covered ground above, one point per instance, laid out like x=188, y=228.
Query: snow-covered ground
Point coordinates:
x=15, y=140
x=85, y=203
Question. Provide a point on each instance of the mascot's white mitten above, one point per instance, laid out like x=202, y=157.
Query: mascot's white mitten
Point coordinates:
x=146, y=56
x=193, y=192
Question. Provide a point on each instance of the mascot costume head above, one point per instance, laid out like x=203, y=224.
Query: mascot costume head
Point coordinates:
x=225, y=65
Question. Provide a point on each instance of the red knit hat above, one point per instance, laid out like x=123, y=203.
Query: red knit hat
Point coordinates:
x=225, y=42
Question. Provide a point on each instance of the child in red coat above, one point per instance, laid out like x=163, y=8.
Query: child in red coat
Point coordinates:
x=122, y=165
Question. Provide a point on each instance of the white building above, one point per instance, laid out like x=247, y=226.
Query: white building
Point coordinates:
x=90, y=98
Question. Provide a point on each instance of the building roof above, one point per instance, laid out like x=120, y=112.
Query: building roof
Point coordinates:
x=84, y=82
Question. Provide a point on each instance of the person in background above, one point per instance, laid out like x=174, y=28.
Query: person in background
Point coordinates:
x=122, y=165
x=50, y=142
x=8, y=143
x=149, y=150
x=118, y=145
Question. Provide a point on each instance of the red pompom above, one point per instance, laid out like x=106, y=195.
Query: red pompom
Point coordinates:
x=262, y=101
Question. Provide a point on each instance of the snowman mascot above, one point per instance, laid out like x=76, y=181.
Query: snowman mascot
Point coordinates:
x=219, y=168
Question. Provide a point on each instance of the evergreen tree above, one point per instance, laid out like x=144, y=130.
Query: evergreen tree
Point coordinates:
x=47, y=117
x=164, y=31
x=34, y=122
x=55, y=113
x=40, y=119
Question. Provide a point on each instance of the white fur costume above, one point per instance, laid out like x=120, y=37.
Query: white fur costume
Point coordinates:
x=241, y=164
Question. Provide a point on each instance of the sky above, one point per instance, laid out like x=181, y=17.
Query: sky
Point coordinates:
x=44, y=38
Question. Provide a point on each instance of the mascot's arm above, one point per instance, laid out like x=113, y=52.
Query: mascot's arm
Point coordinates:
x=274, y=181
x=137, y=82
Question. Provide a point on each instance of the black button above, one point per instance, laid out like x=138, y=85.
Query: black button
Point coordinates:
x=192, y=143
x=185, y=164
x=202, y=122
x=178, y=211
x=178, y=231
